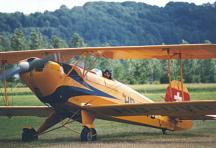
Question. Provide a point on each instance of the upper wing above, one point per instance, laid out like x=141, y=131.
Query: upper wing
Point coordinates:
x=190, y=51
x=39, y=111
x=195, y=110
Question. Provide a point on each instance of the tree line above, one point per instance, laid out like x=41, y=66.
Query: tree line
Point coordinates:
x=127, y=71
x=126, y=23
x=36, y=40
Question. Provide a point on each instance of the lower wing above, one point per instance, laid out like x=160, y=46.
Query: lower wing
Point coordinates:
x=39, y=111
x=195, y=110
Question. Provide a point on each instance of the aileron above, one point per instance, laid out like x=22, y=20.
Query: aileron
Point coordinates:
x=171, y=109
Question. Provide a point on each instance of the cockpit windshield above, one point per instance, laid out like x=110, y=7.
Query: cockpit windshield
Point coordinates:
x=97, y=71
x=87, y=64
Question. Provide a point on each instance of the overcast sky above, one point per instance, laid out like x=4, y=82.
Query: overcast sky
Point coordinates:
x=29, y=6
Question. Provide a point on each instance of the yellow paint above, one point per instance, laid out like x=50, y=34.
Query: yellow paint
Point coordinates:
x=53, y=76
x=188, y=51
x=87, y=119
x=177, y=85
x=183, y=125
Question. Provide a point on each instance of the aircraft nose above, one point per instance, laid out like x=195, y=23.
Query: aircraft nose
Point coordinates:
x=24, y=66
x=45, y=79
x=27, y=65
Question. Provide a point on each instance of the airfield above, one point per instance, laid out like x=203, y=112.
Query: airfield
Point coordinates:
x=111, y=134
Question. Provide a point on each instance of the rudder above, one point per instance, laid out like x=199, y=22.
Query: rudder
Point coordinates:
x=174, y=92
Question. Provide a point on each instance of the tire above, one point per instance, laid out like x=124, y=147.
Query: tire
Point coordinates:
x=164, y=131
x=29, y=134
x=88, y=134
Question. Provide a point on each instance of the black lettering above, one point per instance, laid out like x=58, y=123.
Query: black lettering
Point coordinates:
x=127, y=100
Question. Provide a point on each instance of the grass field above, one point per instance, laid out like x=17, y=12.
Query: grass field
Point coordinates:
x=112, y=134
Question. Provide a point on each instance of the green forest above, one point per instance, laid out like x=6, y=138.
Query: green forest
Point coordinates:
x=126, y=23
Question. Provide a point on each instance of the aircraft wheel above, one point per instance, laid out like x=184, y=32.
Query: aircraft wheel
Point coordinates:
x=88, y=134
x=29, y=134
x=164, y=131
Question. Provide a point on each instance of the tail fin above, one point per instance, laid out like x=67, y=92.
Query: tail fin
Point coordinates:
x=174, y=92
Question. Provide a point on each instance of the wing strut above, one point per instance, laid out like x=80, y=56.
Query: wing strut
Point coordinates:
x=169, y=75
x=5, y=93
x=5, y=96
x=86, y=69
x=181, y=76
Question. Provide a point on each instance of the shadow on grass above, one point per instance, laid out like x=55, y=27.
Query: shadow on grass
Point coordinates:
x=146, y=136
x=128, y=137
x=45, y=140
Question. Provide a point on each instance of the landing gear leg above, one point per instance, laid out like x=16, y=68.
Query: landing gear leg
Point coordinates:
x=164, y=131
x=29, y=134
x=88, y=134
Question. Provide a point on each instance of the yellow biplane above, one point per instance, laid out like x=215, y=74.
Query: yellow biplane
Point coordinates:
x=82, y=93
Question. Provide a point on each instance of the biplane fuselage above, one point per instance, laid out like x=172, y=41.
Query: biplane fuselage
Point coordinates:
x=68, y=87
x=83, y=95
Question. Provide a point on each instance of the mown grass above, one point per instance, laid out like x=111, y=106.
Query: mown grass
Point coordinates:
x=112, y=134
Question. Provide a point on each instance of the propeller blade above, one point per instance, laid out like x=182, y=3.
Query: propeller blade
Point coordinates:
x=40, y=62
x=25, y=66
x=10, y=72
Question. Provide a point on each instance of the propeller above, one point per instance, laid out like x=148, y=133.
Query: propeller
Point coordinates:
x=25, y=66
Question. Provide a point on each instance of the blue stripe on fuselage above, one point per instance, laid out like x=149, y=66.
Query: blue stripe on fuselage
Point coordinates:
x=63, y=93
x=75, y=76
